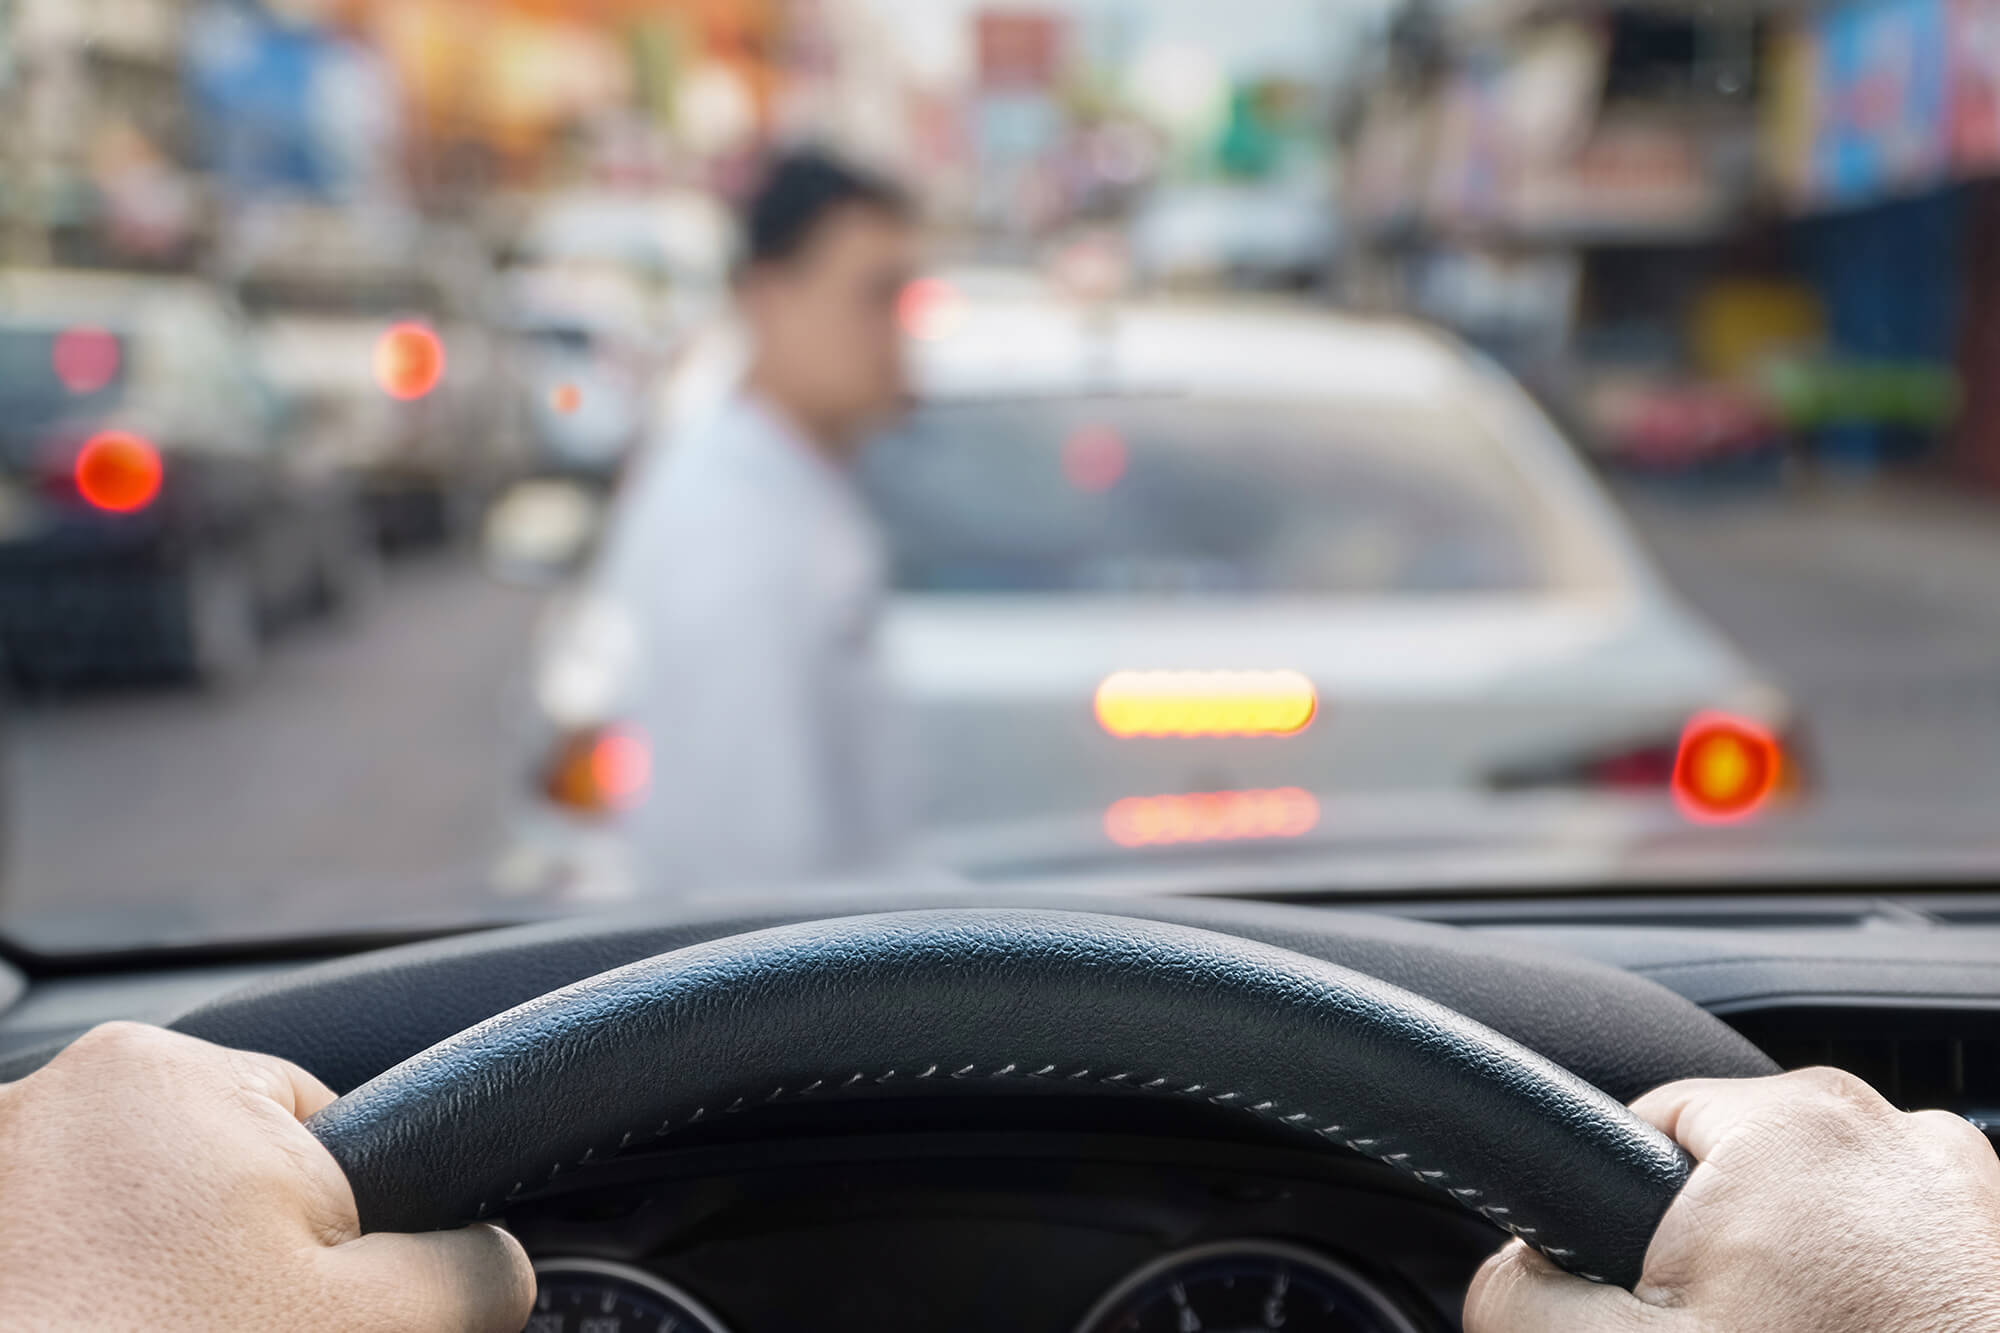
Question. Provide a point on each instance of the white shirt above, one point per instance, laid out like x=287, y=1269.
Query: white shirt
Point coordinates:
x=753, y=577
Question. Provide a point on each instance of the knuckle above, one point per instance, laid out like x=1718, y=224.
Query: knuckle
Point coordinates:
x=1953, y=1132
x=119, y=1041
x=1837, y=1090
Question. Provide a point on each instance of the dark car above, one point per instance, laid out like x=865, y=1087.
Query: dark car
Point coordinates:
x=153, y=519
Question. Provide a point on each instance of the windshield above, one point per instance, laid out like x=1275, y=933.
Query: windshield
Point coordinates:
x=469, y=463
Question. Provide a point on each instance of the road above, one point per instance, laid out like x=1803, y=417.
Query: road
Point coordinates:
x=1880, y=612
x=364, y=776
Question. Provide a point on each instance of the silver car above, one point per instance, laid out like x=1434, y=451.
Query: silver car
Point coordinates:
x=1169, y=573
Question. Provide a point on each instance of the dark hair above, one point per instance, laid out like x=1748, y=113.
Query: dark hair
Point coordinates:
x=799, y=191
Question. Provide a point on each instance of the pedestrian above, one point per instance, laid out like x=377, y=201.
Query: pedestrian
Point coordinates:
x=751, y=571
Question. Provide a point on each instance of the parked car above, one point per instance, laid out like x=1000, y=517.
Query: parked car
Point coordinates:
x=391, y=352
x=1184, y=574
x=587, y=354
x=154, y=516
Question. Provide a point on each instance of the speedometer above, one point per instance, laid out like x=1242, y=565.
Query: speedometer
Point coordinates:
x=593, y=1296
x=1246, y=1285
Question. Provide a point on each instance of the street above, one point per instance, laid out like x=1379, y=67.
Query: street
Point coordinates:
x=1880, y=612
x=368, y=768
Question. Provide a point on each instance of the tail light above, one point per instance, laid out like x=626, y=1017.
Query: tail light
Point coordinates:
x=118, y=472
x=1222, y=816
x=599, y=771
x=409, y=361
x=1726, y=769
x=1721, y=768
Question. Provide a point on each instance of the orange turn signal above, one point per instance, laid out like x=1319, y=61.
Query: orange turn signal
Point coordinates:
x=1206, y=703
x=1727, y=768
x=599, y=772
x=1224, y=816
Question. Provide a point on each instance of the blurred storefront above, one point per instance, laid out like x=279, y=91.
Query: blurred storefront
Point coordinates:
x=1705, y=234
x=1572, y=186
x=97, y=160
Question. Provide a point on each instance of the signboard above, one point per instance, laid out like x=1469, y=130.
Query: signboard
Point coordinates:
x=1883, y=99
x=1018, y=50
x=1975, y=84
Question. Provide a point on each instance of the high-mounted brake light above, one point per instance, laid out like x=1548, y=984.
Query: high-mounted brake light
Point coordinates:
x=1223, y=816
x=1205, y=703
x=85, y=359
x=1727, y=768
x=118, y=472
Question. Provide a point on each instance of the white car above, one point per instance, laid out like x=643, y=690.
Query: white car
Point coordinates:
x=1175, y=575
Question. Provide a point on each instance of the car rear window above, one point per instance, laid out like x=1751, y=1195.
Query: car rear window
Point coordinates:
x=50, y=375
x=1174, y=497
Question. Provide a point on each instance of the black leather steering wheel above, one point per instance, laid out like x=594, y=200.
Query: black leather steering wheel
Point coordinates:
x=1026, y=1002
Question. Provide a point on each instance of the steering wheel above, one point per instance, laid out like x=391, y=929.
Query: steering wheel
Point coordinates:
x=1016, y=1002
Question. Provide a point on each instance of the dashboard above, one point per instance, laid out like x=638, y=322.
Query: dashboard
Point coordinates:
x=929, y=1227
x=1093, y=1215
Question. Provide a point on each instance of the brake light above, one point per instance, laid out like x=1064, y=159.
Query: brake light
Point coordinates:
x=600, y=771
x=1094, y=459
x=85, y=359
x=118, y=472
x=1726, y=769
x=1205, y=703
x=1224, y=816
x=409, y=361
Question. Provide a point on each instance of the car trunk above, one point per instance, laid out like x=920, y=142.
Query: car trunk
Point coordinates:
x=1415, y=695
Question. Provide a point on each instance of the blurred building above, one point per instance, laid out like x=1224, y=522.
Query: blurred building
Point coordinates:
x=96, y=160
x=1705, y=231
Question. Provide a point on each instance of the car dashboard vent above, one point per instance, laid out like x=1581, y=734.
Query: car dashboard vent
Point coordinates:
x=1917, y=1058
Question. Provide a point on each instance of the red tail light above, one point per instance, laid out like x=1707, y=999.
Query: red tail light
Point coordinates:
x=409, y=361
x=118, y=472
x=1721, y=769
x=599, y=772
x=1727, y=768
x=1223, y=816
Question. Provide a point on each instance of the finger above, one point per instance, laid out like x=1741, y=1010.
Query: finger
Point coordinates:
x=475, y=1280
x=1518, y=1291
x=1699, y=1113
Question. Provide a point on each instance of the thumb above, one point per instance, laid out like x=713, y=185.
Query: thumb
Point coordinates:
x=1518, y=1291
x=474, y=1280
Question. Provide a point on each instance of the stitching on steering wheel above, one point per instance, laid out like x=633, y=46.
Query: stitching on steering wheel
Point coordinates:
x=1375, y=1147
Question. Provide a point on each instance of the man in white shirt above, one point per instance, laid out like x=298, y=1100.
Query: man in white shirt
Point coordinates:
x=752, y=573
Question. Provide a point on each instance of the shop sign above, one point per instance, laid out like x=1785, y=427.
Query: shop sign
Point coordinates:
x=1883, y=94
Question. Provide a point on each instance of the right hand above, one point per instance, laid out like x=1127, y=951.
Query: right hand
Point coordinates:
x=1815, y=1207
x=152, y=1181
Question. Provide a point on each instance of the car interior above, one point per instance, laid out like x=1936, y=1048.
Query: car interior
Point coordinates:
x=1007, y=1110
